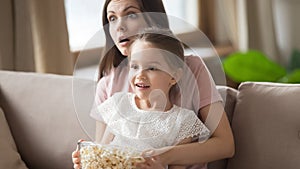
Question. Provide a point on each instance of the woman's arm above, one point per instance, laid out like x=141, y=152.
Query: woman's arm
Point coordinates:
x=184, y=141
x=155, y=162
x=219, y=146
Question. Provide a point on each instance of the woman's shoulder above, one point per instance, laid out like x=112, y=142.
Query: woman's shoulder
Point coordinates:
x=193, y=58
x=116, y=76
x=194, y=61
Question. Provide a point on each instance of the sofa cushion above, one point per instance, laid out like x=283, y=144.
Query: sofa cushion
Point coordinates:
x=9, y=156
x=266, y=125
x=42, y=118
x=229, y=99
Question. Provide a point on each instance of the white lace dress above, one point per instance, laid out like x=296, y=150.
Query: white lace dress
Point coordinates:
x=142, y=129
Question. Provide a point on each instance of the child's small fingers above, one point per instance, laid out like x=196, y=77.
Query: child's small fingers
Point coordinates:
x=76, y=160
x=148, y=153
x=75, y=154
x=76, y=166
x=80, y=140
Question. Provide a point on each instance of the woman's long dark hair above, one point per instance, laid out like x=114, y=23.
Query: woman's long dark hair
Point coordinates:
x=112, y=56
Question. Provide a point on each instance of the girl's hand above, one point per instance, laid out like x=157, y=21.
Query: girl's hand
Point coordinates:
x=151, y=163
x=76, y=157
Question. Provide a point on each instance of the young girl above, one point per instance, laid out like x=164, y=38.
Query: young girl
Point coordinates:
x=147, y=119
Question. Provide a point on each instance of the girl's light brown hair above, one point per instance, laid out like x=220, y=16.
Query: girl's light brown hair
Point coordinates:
x=165, y=40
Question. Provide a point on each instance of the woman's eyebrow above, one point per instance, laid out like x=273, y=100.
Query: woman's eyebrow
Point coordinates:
x=154, y=62
x=126, y=9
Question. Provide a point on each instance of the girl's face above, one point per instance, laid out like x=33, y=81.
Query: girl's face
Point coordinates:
x=125, y=21
x=149, y=71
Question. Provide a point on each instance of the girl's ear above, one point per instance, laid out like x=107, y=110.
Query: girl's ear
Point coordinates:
x=178, y=74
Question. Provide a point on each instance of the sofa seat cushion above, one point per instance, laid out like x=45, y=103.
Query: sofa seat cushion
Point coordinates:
x=266, y=125
x=9, y=156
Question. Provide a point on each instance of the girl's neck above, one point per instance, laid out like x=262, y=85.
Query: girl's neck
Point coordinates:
x=146, y=105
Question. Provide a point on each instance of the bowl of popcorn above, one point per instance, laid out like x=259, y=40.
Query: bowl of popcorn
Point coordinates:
x=98, y=156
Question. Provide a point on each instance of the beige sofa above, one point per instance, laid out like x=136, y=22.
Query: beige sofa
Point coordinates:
x=39, y=124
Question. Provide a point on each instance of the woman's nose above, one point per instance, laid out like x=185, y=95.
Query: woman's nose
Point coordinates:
x=121, y=27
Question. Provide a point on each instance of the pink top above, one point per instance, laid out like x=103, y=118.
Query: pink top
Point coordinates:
x=196, y=86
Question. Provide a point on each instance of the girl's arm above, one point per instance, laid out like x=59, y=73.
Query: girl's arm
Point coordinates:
x=219, y=146
x=100, y=130
x=107, y=136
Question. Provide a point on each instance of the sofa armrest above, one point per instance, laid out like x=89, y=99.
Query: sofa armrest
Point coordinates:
x=266, y=126
x=229, y=99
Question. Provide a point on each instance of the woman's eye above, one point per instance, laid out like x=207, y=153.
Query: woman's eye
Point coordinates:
x=112, y=18
x=134, y=67
x=152, y=68
x=132, y=15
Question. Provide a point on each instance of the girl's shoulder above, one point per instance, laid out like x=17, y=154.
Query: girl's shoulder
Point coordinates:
x=185, y=113
x=121, y=95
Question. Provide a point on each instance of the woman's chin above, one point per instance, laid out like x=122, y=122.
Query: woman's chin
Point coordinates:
x=124, y=52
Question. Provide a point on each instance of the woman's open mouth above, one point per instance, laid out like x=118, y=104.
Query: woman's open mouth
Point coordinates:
x=124, y=41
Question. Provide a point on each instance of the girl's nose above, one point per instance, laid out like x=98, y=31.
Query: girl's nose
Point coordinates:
x=141, y=75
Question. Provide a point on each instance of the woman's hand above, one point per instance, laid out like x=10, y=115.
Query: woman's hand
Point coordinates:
x=151, y=163
x=153, y=159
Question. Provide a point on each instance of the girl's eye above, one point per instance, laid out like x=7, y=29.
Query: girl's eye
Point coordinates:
x=112, y=18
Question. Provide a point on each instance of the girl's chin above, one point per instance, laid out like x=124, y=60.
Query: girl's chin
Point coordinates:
x=142, y=96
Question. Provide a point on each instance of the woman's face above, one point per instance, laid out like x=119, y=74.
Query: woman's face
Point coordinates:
x=125, y=20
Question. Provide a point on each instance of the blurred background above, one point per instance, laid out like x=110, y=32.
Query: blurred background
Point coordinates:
x=47, y=36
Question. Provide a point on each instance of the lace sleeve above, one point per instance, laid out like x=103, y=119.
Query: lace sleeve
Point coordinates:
x=192, y=126
x=104, y=109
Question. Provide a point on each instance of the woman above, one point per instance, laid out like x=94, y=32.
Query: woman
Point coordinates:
x=111, y=80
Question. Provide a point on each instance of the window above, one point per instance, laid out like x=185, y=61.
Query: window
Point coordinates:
x=84, y=19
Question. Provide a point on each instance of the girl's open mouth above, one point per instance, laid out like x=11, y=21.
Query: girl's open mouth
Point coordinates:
x=143, y=86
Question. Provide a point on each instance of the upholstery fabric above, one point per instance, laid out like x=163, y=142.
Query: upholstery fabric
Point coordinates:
x=42, y=117
x=9, y=156
x=266, y=126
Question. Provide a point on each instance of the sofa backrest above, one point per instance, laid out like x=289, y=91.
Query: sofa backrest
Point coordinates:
x=266, y=126
x=40, y=112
